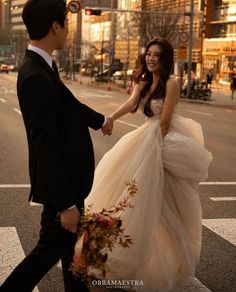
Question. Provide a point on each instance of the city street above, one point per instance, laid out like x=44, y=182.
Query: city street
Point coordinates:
x=19, y=220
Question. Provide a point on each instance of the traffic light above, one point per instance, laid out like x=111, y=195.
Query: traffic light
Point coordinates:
x=89, y=11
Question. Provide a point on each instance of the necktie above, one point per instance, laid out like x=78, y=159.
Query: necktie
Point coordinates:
x=54, y=67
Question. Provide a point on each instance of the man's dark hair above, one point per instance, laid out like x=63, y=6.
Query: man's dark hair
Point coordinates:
x=38, y=16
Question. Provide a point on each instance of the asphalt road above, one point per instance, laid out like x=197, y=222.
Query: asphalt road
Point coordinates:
x=19, y=221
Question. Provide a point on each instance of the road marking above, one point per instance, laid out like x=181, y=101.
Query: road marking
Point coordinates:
x=33, y=204
x=113, y=104
x=226, y=228
x=223, y=183
x=194, y=286
x=11, y=252
x=18, y=111
x=135, y=126
x=3, y=100
x=14, y=186
x=219, y=199
x=4, y=90
x=201, y=113
x=128, y=124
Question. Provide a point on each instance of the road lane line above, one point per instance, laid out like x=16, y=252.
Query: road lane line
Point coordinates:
x=194, y=286
x=219, y=199
x=135, y=126
x=14, y=186
x=114, y=104
x=225, y=228
x=128, y=124
x=223, y=183
x=18, y=111
x=33, y=204
x=201, y=113
x=4, y=90
x=11, y=252
x=3, y=100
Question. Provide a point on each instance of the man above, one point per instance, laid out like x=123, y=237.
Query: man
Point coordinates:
x=209, y=79
x=61, y=159
x=233, y=84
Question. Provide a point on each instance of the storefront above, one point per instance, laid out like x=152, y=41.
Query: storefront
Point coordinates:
x=219, y=56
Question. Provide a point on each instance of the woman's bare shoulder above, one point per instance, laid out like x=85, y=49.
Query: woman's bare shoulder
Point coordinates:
x=172, y=82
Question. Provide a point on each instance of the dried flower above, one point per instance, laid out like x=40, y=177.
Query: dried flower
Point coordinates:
x=98, y=234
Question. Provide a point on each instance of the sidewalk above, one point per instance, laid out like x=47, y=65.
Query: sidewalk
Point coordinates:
x=221, y=95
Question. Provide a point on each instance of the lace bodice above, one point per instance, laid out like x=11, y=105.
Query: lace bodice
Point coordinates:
x=156, y=105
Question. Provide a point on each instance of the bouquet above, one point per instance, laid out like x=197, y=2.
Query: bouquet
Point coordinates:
x=98, y=234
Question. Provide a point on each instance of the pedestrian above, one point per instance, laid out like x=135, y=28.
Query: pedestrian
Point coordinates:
x=233, y=85
x=167, y=159
x=61, y=159
x=209, y=78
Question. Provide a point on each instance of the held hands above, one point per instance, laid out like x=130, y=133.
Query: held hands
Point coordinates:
x=70, y=219
x=107, y=128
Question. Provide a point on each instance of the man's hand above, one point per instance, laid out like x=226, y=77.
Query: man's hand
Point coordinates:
x=107, y=128
x=70, y=219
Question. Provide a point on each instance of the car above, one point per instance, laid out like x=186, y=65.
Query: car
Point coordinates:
x=4, y=68
x=120, y=76
x=12, y=68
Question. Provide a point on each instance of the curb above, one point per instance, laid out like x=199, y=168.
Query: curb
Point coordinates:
x=209, y=103
x=123, y=90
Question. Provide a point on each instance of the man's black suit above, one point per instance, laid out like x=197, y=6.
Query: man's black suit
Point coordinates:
x=61, y=166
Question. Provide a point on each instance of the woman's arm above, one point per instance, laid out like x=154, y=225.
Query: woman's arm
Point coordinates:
x=171, y=98
x=129, y=105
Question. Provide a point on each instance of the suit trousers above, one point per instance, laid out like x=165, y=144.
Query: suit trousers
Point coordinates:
x=55, y=243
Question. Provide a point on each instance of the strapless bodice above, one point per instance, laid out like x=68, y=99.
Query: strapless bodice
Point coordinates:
x=156, y=106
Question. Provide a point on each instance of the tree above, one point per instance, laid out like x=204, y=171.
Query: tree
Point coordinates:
x=163, y=23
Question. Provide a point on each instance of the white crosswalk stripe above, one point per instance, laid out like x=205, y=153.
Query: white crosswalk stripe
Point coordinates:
x=11, y=252
x=225, y=228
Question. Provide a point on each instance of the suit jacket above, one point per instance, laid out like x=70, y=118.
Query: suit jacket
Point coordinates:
x=61, y=158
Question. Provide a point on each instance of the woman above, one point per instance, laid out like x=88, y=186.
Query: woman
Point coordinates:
x=167, y=159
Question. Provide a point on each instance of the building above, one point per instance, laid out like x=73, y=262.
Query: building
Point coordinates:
x=7, y=48
x=98, y=33
x=219, y=47
x=16, y=11
x=19, y=36
x=172, y=21
x=5, y=15
x=127, y=43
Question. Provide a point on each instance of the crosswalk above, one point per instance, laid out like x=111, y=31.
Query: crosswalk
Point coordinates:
x=11, y=251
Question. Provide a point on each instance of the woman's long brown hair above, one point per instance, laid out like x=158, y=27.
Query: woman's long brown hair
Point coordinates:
x=166, y=60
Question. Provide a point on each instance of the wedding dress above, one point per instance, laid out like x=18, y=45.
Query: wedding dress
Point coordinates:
x=165, y=223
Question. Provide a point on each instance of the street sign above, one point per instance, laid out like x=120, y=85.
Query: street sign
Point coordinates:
x=74, y=6
x=183, y=37
x=182, y=51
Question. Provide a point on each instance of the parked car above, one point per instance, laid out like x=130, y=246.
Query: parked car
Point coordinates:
x=12, y=68
x=4, y=68
x=119, y=76
x=105, y=76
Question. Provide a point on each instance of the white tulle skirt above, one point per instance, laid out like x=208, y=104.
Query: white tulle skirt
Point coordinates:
x=165, y=224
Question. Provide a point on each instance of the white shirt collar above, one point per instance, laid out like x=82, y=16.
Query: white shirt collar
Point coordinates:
x=42, y=53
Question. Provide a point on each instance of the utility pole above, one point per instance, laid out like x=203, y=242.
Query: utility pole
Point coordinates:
x=190, y=47
x=111, y=53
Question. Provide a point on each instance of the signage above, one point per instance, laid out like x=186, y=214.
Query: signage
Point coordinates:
x=183, y=37
x=182, y=51
x=74, y=6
